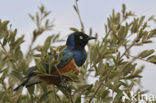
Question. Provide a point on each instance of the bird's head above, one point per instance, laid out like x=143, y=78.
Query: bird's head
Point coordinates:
x=78, y=40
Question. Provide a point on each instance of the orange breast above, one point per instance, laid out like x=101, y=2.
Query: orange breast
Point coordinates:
x=71, y=66
x=54, y=78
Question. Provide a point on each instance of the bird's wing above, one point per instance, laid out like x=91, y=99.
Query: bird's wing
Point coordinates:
x=66, y=65
x=67, y=57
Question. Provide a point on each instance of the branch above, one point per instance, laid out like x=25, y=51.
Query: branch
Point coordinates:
x=127, y=49
x=134, y=58
x=78, y=13
x=99, y=86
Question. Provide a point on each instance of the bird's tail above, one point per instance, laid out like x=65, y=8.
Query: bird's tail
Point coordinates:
x=28, y=82
x=22, y=84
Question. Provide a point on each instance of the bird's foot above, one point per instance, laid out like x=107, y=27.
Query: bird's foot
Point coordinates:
x=63, y=86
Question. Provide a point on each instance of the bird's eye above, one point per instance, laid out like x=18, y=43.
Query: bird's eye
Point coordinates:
x=81, y=37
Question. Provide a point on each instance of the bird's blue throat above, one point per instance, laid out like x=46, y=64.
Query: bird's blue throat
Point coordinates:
x=80, y=54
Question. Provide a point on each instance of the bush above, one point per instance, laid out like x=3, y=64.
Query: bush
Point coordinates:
x=115, y=72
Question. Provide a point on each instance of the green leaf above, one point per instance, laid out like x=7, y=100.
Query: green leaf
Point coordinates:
x=12, y=36
x=141, y=21
x=42, y=9
x=48, y=41
x=144, y=26
x=105, y=94
x=31, y=90
x=55, y=38
x=123, y=8
x=145, y=35
x=84, y=88
x=37, y=55
x=146, y=53
x=32, y=17
x=47, y=13
x=75, y=8
x=152, y=59
x=135, y=27
x=151, y=18
x=78, y=100
x=40, y=66
x=2, y=70
x=147, y=41
x=59, y=58
x=116, y=86
x=44, y=96
x=138, y=71
x=47, y=45
x=4, y=42
x=5, y=23
x=121, y=33
x=37, y=18
x=133, y=76
x=47, y=23
x=118, y=96
x=152, y=33
x=90, y=32
x=74, y=29
x=18, y=42
x=5, y=73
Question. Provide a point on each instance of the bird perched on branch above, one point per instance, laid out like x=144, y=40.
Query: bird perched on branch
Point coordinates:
x=73, y=56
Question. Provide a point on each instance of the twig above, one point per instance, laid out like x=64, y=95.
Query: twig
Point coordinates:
x=71, y=99
x=30, y=49
x=55, y=94
x=134, y=58
x=3, y=46
x=99, y=86
x=8, y=55
x=78, y=12
x=127, y=49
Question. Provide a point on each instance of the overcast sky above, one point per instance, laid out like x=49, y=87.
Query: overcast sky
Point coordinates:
x=94, y=14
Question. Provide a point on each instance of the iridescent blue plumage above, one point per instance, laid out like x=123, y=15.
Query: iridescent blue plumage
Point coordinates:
x=70, y=42
x=75, y=51
x=79, y=52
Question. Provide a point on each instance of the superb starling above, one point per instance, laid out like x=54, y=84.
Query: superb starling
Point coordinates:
x=73, y=56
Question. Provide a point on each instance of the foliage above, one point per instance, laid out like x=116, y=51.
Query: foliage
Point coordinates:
x=115, y=71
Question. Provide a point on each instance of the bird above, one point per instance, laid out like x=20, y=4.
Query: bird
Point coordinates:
x=73, y=56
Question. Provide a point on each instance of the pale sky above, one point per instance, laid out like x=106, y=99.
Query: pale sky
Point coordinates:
x=94, y=14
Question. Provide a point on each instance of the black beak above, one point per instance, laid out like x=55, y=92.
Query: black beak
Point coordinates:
x=89, y=38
